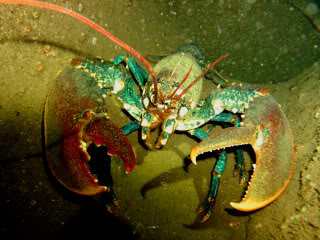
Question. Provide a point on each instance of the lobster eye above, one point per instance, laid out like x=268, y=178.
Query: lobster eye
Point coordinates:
x=158, y=80
x=104, y=90
x=87, y=115
x=176, y=84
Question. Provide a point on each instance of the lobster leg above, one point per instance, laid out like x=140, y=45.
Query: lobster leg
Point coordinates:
x=239, y=167
x=130, y=127
x=208, y=204
x=146, y=128
x=150, y=121
x=167, y=129
x=140, y=75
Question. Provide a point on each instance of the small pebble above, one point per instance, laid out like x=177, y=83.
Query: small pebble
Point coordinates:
x=235, y=224
x=80, y=7
x=308, y=176
x=297, y=217
x=259, y=225
x=303, y=209
x=35, y=15
x=94, y=40
x=46, y=48
x=301, y=96
x=283, y=226
x=27, y=29
x=39, y=67
x=164, y=184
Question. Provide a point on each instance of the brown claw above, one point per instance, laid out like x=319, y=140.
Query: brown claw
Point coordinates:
x=267, y=130
x=74, y=118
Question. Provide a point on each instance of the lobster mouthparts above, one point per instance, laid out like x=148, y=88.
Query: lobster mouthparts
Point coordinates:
x=75, y=117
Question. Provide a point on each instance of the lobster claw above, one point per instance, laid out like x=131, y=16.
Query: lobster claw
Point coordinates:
x=75, y=117
x=267, y=130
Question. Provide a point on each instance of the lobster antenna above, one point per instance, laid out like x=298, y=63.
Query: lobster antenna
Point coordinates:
x=91, y=24
x=202, y=75
x=180, y=84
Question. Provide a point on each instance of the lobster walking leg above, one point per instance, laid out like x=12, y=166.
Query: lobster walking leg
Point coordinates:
x=207, y=206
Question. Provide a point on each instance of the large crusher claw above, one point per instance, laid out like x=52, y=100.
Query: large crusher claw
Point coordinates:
x=75, y=117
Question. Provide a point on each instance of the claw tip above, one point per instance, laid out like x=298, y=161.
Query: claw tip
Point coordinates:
x=193, y=158
x=245, y=206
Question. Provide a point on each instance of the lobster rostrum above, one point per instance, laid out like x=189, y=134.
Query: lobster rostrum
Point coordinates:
x=76, y=118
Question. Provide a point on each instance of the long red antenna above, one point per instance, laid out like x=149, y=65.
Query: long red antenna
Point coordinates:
x=93, y=25
x=202, y=75
x=180, y=84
